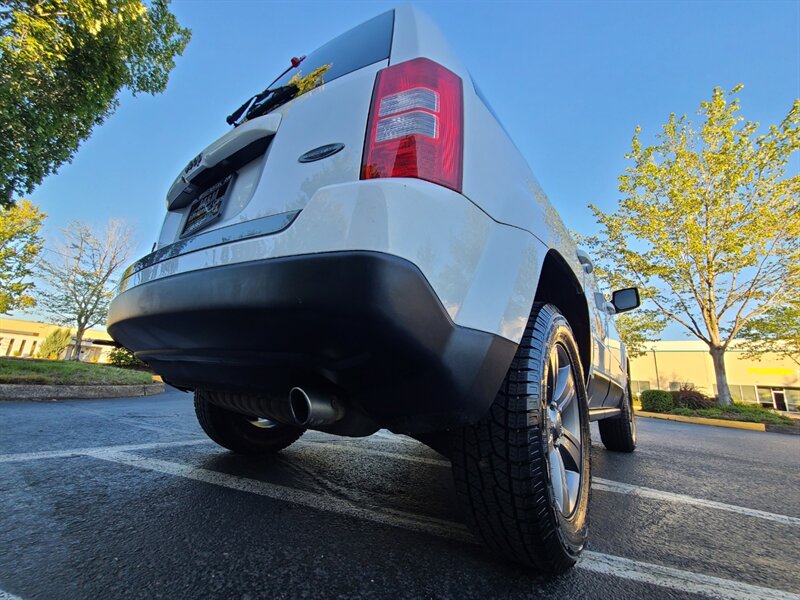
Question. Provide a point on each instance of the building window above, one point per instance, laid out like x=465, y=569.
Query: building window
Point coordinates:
x=637, y=387
x=777, y=398
x=21, y=347
x=792, y=399
x=10, y=345
x=765, y=397
x=742, y=393
x=749, y=394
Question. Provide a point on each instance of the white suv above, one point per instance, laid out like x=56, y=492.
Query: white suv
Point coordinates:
x=366, y=249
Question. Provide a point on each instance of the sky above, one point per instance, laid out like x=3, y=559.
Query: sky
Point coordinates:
x=569, y=81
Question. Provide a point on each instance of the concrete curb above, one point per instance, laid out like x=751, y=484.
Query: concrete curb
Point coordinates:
x=14, y=391
x=703, y=421
x=722, y=423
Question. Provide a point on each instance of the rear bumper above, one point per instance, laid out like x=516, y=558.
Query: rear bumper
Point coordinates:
x=368, y=322
x=483, y=272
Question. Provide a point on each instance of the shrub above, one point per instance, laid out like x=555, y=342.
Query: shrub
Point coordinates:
x=656, y=401
x=55, y=343
x=122, y=357
x=690, y=397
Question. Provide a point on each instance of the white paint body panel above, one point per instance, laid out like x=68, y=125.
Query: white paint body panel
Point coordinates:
x=482, y=250
x=498, y=179
x=231, y=142
x=456, y=246
x=336, y=112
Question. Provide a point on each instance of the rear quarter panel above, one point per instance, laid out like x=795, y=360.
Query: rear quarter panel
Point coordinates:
x=500, y=182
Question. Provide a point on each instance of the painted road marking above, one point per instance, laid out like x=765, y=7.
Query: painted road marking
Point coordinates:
x=682, y=581
x=6, y=596
x=650, y=573
x=5, y=458
x=386, y=516
x=598, y=483
x=618, y=487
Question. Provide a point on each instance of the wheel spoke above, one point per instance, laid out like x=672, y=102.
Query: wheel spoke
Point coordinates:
x=559, y=480
x=568, y=390
x=552, y=375
x=571, y=450
x=573, y=487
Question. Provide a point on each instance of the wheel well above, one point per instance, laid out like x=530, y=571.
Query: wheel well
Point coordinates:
x=558, y=285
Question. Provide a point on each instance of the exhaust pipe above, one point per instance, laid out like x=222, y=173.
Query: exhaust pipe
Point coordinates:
x=314, y=408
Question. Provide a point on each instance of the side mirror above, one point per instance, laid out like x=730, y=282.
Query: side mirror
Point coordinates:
x=624, y=300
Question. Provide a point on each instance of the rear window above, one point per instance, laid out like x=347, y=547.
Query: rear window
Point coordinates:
x=368, y=43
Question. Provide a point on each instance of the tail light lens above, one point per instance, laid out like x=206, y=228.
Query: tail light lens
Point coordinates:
x=416, y=124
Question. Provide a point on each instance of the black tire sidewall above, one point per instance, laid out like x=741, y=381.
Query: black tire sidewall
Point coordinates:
x=236, y=431
x=630, y=414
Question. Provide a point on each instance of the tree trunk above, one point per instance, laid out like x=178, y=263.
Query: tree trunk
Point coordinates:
x=718, y=358
x=76, y=353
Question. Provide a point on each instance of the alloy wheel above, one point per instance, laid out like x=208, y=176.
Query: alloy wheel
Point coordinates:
x=564, y=437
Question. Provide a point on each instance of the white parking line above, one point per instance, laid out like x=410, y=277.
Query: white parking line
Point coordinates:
x=618, y=487
x=386, y=516
x=598, y=483
x=5, y=458
x=6, y=596
x=683, y=581
x=662, y=576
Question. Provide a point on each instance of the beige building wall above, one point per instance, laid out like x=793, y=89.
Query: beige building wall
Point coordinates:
x=773, y=381
x=23, y=338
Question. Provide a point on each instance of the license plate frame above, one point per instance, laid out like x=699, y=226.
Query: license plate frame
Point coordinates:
x=208, y=207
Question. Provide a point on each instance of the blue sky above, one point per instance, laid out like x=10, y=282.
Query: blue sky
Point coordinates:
x=569, y=80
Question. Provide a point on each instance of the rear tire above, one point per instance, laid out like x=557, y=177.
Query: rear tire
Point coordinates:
x=515, y=470
x=241, y=433
x=619, y=434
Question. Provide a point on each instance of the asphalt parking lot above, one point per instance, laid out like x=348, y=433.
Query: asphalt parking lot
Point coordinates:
x=127, y=498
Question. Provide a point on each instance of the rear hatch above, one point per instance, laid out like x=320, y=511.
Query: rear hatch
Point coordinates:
x=254, y=171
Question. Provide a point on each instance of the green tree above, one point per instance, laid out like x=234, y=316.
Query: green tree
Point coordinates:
x=81, y=279
x=639, y=327
x=62, y=66
x=635, y=328
x=20, y=245
x=777, y=330
x=709, y=225
x=55, y=343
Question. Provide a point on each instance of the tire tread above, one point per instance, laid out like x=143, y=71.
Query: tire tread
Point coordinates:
x=499, y=464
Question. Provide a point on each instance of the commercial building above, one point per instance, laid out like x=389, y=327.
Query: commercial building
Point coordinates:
x=773, y=381
x=23, y=338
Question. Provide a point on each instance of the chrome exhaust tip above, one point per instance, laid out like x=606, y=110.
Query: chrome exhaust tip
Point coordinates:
x=310, y=408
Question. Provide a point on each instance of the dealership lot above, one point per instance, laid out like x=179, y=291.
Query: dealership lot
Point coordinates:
x=127, y=498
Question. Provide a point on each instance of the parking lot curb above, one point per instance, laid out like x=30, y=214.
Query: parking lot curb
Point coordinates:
x=15, y=391
x=720, y=423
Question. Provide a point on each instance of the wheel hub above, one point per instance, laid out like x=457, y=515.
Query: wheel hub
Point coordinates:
x=556, y=425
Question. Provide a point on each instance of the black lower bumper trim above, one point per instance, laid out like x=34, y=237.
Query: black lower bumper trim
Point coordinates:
x=367, y=322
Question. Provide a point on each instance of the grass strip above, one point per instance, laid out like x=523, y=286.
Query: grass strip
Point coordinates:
x=60, y=372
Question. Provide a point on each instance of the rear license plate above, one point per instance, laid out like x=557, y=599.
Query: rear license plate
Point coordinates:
x=208, y=207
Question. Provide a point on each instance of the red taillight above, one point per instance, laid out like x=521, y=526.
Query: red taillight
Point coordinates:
x=416, y=124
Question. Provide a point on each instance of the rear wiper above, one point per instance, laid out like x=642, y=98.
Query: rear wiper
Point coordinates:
x=256, y=103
